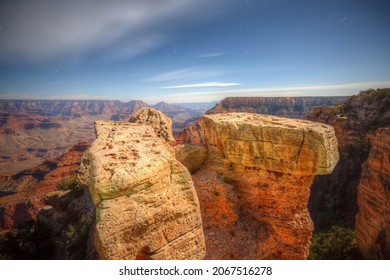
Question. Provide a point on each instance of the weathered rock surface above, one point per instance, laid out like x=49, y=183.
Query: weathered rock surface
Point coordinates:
x=275, y=144
x=161, y=124
x=191, y=156
x=146, y=204
x=373, y=219
x=255, y=184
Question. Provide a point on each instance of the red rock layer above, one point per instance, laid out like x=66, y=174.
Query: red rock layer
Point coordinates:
x=373, y=219
x=22, y=194
x=254, y=214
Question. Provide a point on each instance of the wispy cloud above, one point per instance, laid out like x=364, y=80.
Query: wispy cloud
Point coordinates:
x=328, y=89
x=209, y=84
x=215, y=54
x=40, y=29
x=185, y=73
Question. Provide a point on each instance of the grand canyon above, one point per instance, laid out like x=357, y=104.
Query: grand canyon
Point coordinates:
x=244, y=178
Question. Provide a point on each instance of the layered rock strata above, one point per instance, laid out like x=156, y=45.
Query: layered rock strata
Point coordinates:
x=255, y=184
x=373, y=219
x=146, y=204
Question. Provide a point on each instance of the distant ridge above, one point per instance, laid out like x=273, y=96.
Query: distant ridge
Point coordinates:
x=292, y=107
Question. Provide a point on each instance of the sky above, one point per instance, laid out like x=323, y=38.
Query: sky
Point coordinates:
x=192, y=50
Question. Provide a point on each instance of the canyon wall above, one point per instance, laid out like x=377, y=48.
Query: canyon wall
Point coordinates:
x=373, y=219
x=254, y=186
x=360, y=179
x=334, y=197
x=146, y=204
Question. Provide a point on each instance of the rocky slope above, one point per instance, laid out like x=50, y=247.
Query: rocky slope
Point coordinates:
x=373, y=219
x=255, y=184
x=292, y=107
x=128, y=169
x=23, y=194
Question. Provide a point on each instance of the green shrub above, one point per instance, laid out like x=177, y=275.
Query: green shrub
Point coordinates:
x=67, y=183
x=336, y=244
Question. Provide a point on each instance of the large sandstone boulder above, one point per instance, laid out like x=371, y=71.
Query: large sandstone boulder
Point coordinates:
x=271, y=143
x=161, y=124
x=255, y=184
x=146, y=204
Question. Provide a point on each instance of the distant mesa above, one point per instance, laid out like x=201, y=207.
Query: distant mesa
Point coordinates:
x=291, y=107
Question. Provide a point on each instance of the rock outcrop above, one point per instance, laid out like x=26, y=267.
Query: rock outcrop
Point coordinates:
x=373, y=219
x=146, y=204
x=255, y=184
x=161, y=124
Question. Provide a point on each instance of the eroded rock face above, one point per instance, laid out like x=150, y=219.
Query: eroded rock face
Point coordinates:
x=146, y=204
x=373, y=219
x=255, y=184
x=161, y=124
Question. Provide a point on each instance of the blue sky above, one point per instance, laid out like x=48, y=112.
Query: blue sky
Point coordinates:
x=192, y=50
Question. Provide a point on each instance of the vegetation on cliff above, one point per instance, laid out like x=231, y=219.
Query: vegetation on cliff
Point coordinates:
x=338, y=243
x=30, y=242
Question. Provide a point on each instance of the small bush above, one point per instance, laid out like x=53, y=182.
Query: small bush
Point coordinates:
x=67, y=183
x=336, y=244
